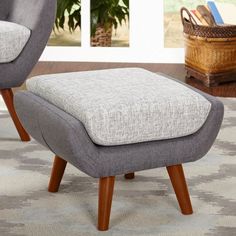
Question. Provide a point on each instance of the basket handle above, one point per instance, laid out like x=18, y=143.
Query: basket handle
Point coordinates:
x=191, y=19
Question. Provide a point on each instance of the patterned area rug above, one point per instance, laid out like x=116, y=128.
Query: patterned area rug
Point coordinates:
x=143, y=206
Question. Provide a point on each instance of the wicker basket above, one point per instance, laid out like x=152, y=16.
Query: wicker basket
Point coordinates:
x=102, y=37
x=210, y=52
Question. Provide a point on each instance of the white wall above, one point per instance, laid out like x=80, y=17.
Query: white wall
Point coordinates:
x=146, y=39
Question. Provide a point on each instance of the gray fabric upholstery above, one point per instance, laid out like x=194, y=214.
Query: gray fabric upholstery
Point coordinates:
x=13, y=38
x=38, y=16
x=4, y=9
x=67, y=137
x=125, y=105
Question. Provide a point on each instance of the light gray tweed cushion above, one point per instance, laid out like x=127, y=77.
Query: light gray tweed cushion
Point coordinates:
x=13, y=38
x=123, y=106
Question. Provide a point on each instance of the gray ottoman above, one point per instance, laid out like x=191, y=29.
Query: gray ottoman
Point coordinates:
x=119, y=121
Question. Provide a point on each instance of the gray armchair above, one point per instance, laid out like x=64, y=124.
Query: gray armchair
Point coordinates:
x=37, y=16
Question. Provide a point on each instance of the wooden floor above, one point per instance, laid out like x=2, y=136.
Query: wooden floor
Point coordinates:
x=175, y=70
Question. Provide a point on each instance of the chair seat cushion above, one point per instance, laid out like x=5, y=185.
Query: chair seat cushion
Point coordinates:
x=13, y=38
x=124, y=106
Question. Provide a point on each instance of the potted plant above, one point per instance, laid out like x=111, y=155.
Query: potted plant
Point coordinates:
x=70, y=8
x=106, y=14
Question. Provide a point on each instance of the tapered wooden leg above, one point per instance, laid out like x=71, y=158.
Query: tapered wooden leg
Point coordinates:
x=106, y=186
x=178, y=181
x=7, y=95
x=58, y=169
x=129, y=176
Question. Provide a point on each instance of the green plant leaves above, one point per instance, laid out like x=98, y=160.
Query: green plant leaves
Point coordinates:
x=105, y=13
x=108, y=13
x=94, y=20
x=126, y=2
x=70, y=8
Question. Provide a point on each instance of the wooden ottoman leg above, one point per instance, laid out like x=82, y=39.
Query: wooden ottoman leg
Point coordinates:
x=129, y=176
x=178, y=181
x=106, y=186
x=58, y=169
x=7, y=95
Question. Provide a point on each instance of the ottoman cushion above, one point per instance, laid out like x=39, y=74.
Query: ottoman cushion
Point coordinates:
x=13, y=38
x=124, y=106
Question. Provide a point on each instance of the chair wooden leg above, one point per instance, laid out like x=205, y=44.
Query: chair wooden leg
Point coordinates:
x=7, y=95
x=129, y=176
x=178, y=181
x=58, y=169
x=106, y=186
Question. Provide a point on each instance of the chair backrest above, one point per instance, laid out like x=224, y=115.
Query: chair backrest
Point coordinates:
x=38, y=16
x=28, y=12
x=4, y=9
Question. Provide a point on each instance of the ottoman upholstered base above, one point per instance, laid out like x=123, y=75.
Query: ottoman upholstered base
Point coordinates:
x=68, y=138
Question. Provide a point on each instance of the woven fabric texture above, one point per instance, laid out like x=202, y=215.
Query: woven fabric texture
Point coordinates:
x=124, y=106
x=13, y=38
